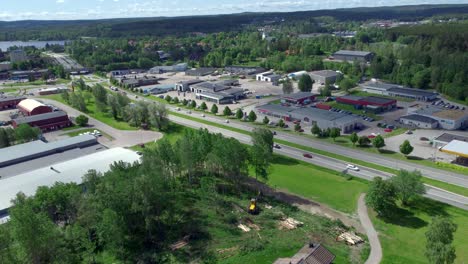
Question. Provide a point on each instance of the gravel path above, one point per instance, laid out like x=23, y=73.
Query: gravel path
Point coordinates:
x=376, y=249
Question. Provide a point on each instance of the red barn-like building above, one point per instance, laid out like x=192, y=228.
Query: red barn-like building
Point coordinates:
x=299, y=98
x=8, y=102
x=46, y=122
x=30, y=107
x=370, y=102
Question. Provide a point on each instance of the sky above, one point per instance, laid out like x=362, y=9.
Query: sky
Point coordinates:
x=96, y=9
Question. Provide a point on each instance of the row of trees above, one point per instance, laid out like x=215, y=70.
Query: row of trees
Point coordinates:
x=23, y=133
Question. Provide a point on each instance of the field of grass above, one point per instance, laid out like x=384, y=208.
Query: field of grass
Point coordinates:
x=351, y=108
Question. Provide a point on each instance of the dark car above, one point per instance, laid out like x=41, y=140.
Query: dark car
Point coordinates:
x=276, y=146
x=307, y=155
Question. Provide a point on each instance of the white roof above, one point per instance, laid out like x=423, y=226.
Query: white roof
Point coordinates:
x=66, y=172
x=53, y=89
x=456, y=147
x=29, y=104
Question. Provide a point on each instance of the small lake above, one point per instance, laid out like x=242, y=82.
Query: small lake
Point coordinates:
x=4, y=45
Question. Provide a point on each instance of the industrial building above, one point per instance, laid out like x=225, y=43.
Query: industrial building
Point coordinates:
x=372, y=103
x=448, y=119
x=37, y=149
x=45, y=122
x=181, y=67
x=8, y=102
x=65, y=172
x=325, y=76
x=26, y=75
x=299, y=98
x=54, y=90
x=244, y=70
x=323, y=118
x=459, y=149
x=218, y=92
x=200, y=72
x=137, y=81
x=30, y=107
x=269, y=76
x=353, y=55
x=398, y=91
x=297, y=75
x=5, y=66
x=446, y=138
x=184, y=86
x=158, y=89
x=419, y=121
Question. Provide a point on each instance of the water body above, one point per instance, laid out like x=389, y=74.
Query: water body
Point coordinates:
x=4, y=45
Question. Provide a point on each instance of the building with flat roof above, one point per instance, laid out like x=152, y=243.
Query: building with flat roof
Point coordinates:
x=158, y=89
x=325, y=76
x=184, y=86
x=36, y=149
x=45, y=122
x=396, y=90
x=5, y=66
x=244, y=70
x=181, y=67
x=269, y=76
x=30, y=107
x=53, y=90
x=200, y=71
x=8, y=102
x=32, y=74
x=353, y=55
x=71, y=171
x=372, y=103
x=138, y=81
x=419, y=121
x=297, y=75
x=299, y=98
x=458, y=149
x=446, y=138
x=220, y=92
x=18, y=55
x=447, y=118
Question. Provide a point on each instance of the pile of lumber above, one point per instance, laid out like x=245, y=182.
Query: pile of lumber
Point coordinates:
x=350, y=238
x=290, y=223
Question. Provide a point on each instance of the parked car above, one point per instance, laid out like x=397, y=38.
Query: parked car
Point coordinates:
x=276, y=146
x=226, y=121
x=409, y=132
x=307, y=155
x=352, y=167
x=202, y=115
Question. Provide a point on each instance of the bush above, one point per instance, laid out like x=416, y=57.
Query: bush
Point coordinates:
x=82, y=120
x=168, y=98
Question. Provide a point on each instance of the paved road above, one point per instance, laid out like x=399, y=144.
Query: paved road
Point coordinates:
x=122, y=138
x=375, y=255
x=334, y=164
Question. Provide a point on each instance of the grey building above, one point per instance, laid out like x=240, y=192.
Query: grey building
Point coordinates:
x=324, y=76
x=353, y=55
x=446, y=138
x=181, y=67
x=200, y=72
x=244, y=70
x=419, y=121
x=184, y=86
x=18, y=56
x=396, y=90
x=270, y=77
x=218, y=92
x=447, y=118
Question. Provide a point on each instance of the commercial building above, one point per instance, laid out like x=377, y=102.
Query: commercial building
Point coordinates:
x=32, y=74
x=218, y=92
x=158, y=89
x=459, y=149
x=244, y=70
x=18, y=56
x=37, y=149
x=324, y=76
x=299, y=98
x=419, y=121
x=297, y=75
x=270, y=77
x=30, y=107
x=323, y=118
x=446, y=138
x=398, y=91
x=45, y=122
x=181, y=67
x=66, y=172
x=353, y=55
x=372, y=103
x=446, y=118
x=54, y=90
x=138, y=81
x=309, y=254
x=8, y=102
x=184, y=86
x=200, y=72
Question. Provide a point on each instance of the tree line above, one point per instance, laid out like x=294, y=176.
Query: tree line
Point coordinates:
x=22, y=134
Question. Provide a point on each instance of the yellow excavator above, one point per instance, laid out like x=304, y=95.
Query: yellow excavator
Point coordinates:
x=253, y=208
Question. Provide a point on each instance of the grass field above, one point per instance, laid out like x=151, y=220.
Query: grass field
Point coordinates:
x=351, y=108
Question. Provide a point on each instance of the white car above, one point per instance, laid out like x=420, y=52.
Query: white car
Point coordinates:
x=226, y=121
x=202, y=115
x=352, y=167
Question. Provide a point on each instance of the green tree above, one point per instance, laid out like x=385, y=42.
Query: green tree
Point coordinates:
x=99, y=93
x=193, y=104
x=439, y=238
x=175, y=100
x=408, y=185
x=239, y=114
x=406, y=148
x=335, y=132
x=25, y=133
x=354, y=138
x=227, y=111
x=266, y=121
x=281, y=123
x=168, y=98
x=252, y=116
x=262, y=151
x=297, y=127
x=65, y=96
x=82, y=120
x=203, y=106
x=381, y=196
x=158, y=116
x=114, y=106
x=287, y=87
x=315, y=130
x=5, y=140
x=305, y=83
x=214, y=109
x=363, y=141
x=378, y=142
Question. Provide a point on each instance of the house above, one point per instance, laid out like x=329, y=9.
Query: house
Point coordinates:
x=353, y=55
x=45, y=122
x=269, y=76
x=184, y=86
x=373, y=103
x=30, y=107
x=299, y=98
x=200, y=72
x=325, y=76
x=419, y=121
x=7, y=102
x=395, y=90
x=244, y=70
x=447, y=118
x=309, y=254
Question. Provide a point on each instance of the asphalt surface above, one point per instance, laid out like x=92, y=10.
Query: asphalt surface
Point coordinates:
x=375, y=255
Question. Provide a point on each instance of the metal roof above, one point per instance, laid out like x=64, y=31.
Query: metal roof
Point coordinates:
x=419, y=118
x=352, y=53
x=378, y=100
x=325, y=73
x=298, y=95
x=447, y=137
x=66, y=172
x=443, y=113
x=411, y=91
x=11, y=98
x=35, y=118
x=30, y=104
x=456, y=147
x=326, y=115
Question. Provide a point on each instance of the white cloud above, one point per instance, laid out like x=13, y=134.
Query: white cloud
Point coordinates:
x=60, y=1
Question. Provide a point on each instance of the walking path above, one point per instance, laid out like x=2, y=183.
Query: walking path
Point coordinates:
x=376, y=249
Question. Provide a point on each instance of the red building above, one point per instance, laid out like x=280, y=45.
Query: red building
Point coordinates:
x=8, y=102
x=46, y=122
x=369, y=102
x=30, y=107
x=300, y=98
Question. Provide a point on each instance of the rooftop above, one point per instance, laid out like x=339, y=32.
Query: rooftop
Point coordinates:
x=299, y=95
x=324, y=114
x=30, y=104
x=35, y=118
x=419, y=118
x=378, y=100
x=456, y=147
x=53, y=89
x=450, y=114
x=11, y=98
x=66, y=172
x=352, y=53
x=325, y=73
x=447, y=137
x=411, y=91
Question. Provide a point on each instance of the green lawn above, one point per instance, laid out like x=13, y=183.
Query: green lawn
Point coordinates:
x=362, y=93
x=351, y=108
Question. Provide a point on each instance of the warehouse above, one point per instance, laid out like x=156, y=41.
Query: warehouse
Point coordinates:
x=419, y=121
x=138, y=81
x=353, y=55
x=32, y=74
x=200, y=72
x=446, y=138
x=297, y=75
x=325, y=76
x=459, y=149
x=395, y=90
x=30, y=107
x=158, y=89
x=7, y=102
x=37, y=149
x=244, y=70
x=54, y=90
x=447, y=118
x=65, y=172
x=373, y=103
x=299, y=98
x=184, y=86
x=219, y=92
x=181, y=67
x=45, y=122
x=270, y=77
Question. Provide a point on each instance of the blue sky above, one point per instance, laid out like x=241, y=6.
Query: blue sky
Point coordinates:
x=91, y=9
